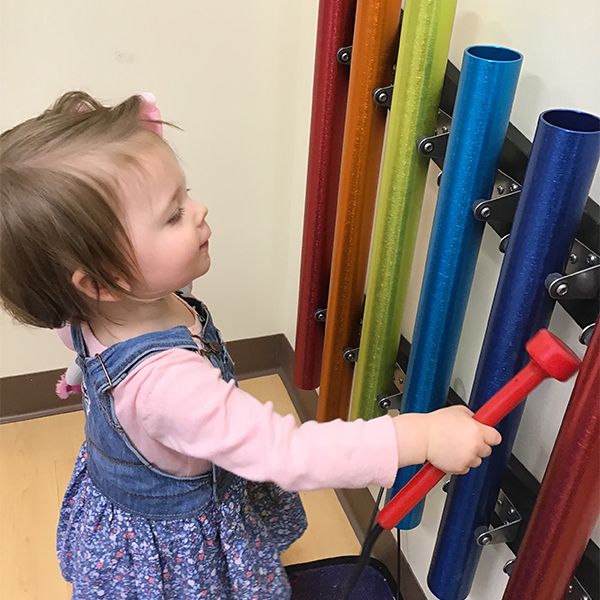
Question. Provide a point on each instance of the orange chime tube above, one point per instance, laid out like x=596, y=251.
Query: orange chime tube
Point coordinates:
x=374, y=48
x=330, y=90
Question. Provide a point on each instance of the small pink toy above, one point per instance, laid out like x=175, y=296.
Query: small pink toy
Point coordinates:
x=69, y=382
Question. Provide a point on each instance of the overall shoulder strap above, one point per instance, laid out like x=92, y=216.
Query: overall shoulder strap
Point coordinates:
x=114, y=364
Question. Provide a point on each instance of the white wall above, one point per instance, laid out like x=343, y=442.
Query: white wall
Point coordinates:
x=237, y=76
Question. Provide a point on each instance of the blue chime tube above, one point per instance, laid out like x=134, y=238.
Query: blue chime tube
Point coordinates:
x=486, y=90
x=561, y=167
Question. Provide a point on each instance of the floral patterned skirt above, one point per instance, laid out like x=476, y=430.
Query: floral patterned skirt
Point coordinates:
x=230, y=552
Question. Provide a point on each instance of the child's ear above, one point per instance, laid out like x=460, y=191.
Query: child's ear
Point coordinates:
x=88, y=286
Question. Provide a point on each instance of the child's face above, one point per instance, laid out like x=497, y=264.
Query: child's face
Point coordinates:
x=167, y=229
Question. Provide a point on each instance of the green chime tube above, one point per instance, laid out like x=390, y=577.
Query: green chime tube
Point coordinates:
x=422, y=56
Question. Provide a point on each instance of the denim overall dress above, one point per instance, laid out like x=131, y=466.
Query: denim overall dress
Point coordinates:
x=129, y=531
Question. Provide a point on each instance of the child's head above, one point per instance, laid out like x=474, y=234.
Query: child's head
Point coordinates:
x=93, y=209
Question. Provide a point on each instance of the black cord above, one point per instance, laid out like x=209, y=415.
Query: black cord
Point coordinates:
x=363, y=559
x=370, y=538
x=375, y=509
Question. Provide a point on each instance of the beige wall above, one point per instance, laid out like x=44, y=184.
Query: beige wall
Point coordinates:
x=237, y=76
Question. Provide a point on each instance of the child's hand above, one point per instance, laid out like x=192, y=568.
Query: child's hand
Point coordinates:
x=457, y=442
x=448, y=438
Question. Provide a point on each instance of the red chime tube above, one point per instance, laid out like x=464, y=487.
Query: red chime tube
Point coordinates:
x=569, y=499
x=330, y=90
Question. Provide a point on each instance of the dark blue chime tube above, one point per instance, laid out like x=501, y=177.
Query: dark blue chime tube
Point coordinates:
x=485, y=96
x=561, y=166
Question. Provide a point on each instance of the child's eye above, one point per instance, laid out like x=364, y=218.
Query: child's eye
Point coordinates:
x=176, y=216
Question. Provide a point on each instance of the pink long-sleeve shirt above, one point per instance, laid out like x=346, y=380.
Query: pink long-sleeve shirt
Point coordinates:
x=182, y=416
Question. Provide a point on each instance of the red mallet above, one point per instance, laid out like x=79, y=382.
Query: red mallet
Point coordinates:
x=549, y=358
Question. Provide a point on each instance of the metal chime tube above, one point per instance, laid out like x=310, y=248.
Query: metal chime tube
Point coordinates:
x=330, y=90
x=422, y=57
x=569, y=500
x=374, y=44
x=563, y=159
x=485, y=95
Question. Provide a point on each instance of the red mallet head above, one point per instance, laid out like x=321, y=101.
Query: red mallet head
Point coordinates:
x=552, y=356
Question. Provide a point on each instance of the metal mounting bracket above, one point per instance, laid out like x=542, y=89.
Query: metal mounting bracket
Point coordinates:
x=583, y=263
x=582, y=285
x=506, y=532
x=509, y=566
x=586, y=334
x=344, y=55
x=503, y=203
x=393, y=401
x=383, y=96
x=435, y=146
x=581, y=280
x=576, y=591
x=503, y=245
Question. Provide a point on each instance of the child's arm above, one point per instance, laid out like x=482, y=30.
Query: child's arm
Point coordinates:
x=184, y=404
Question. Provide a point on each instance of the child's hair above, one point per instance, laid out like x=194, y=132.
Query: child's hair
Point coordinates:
x=59, y=206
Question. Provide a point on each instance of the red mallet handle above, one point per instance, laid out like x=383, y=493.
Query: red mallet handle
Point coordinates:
x=549, y=358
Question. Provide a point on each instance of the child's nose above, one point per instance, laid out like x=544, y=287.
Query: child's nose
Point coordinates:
x=202, y=213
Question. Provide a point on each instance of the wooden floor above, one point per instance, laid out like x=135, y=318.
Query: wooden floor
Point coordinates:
x=36, y=458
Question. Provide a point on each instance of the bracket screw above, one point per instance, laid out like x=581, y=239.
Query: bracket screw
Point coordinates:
x=562, y=289
x=427, y=147
x=485, y=212
x=344, y=56
x=349, y=355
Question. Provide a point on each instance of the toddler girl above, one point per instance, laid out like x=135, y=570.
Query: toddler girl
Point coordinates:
x=185, y=485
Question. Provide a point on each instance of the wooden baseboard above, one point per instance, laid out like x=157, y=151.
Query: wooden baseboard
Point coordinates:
x=32, y=395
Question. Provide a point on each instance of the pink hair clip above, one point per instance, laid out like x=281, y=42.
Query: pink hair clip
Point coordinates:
x=150, y=114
